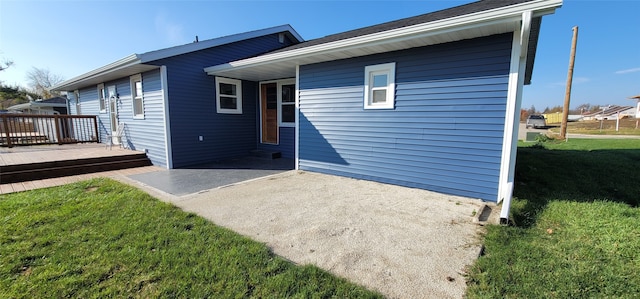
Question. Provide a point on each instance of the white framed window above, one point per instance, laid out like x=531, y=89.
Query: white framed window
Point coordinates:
x=379, y=86
x=287, y=103
x=102, y=96
x=228, y=95
x=137, y=96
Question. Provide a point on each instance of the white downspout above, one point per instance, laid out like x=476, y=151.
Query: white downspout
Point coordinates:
x=512, y=117
x=297, y=120
x=168, y=151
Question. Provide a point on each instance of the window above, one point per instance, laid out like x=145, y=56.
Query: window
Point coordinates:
x=136, y=95
x=228, y=95
x=288, y=105
x=379, y=86
x=102, y=98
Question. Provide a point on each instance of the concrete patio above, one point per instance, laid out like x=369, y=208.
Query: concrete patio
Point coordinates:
x=402, y=242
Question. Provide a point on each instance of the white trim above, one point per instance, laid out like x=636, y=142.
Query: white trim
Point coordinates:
x=524, y=33
x=102, y=98
x=388, y=69
x=469, y=21
x=134, y=94
x=165, y=113
x=136, y=59
x=114, y=66
x=280, y=84
x=512, y=117
x=114, y=117
x=205, y=44
x=297, y=130
x=238, y=95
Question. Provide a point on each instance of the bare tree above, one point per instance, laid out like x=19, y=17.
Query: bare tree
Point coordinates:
x=5, y=64
x=40, y=80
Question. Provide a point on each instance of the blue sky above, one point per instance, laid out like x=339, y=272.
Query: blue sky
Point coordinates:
x=73, y=37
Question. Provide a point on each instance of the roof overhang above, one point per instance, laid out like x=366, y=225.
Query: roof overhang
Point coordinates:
x=139, y=63
x=281, y=64
x=122, y=68
x=36, y=105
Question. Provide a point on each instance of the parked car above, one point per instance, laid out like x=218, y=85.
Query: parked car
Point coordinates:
x=536, y=121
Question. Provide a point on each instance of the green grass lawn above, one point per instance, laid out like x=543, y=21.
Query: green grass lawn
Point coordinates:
x=576, y=225
x=101, y=238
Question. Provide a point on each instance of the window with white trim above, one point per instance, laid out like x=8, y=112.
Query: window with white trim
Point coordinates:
x=102, y=98
x=228, y=95
x=287, y=103
x=379, y=86
x=137, y=96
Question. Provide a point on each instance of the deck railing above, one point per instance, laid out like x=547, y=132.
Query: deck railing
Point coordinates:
x=31, y=129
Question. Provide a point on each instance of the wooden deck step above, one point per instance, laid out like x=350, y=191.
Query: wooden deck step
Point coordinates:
x=51, y=169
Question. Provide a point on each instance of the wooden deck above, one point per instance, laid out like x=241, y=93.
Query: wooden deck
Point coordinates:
x=55, y=153
x=51, y=153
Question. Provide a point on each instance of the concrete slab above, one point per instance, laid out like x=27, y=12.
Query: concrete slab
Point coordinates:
x=402, y=242
x=195, y=179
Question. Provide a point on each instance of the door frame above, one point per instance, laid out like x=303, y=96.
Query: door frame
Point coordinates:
x=279, y=84
x=112, y=93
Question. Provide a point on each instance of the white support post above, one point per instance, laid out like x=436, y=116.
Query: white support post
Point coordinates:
x=297, y=115
x=512, y=116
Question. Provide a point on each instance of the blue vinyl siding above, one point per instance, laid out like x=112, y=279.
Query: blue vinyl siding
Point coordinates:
x=445, y=133
x=148, y=133
x=140, y=134
x=286, y=142
x=192, y=104
x=89, y=105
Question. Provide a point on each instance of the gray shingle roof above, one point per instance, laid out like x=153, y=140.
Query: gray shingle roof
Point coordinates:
x=430, y=17
x=424, y=18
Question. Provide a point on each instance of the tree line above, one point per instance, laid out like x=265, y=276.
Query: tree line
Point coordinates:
x=39, y=81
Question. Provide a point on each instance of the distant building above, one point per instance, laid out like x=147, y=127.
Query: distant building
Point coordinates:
x=637, y=98
x=57, y=105
x=610, y=112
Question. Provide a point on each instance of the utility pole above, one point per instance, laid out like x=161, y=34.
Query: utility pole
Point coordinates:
x=567, y=95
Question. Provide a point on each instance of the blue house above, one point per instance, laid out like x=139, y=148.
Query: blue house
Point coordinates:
x=167, y=103
x=429, y=101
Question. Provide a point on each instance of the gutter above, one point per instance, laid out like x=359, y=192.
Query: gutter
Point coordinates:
x=130, y=60
x=502, y=14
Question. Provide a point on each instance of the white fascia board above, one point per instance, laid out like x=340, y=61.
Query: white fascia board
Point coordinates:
x=130, y=60
x=201, y=45
x=474, y=20
x=169, y=52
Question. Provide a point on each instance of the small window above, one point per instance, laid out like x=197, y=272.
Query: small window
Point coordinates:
x=102, y=98
x=288, y=105
x=137, y=96
x=379, y=86
x=228, y=95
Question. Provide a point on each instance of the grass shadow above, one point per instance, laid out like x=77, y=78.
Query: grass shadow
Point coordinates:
x=544, y=174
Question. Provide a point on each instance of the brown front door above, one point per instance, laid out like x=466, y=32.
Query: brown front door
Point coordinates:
x=269, y=113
